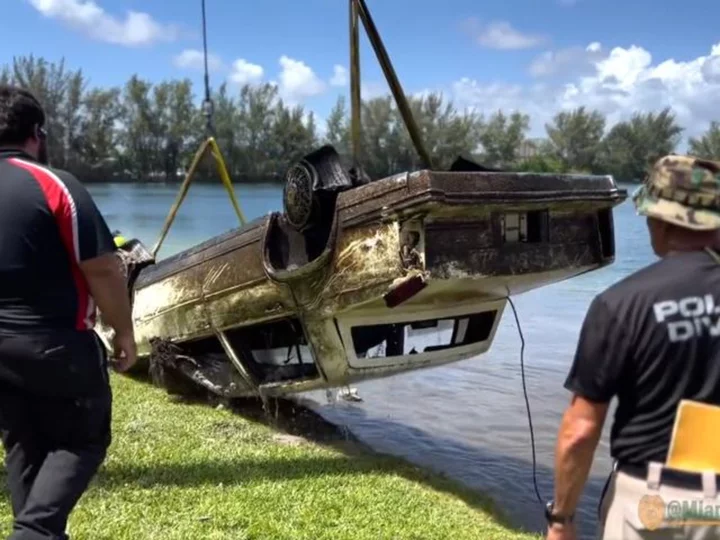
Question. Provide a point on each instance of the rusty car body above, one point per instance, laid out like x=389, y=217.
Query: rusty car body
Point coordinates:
x=360, y=280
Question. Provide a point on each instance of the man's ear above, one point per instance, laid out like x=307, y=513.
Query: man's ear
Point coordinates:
x=39, y=133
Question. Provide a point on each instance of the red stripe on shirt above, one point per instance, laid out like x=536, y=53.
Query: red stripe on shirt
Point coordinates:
x=64, y=210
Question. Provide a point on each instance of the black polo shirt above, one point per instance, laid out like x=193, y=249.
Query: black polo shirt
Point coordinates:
x=48, y=225
x=652, y=339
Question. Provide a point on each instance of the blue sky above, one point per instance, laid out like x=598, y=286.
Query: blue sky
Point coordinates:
x=536, y=55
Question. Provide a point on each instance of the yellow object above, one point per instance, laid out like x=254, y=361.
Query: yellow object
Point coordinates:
x=209, y=145
x=695, y=442
x=119, y=241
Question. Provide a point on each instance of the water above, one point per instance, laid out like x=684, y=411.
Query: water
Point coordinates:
x=469, y=419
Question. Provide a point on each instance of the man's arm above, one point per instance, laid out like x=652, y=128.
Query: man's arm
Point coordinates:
x=593, y=379
x=108, y=287
x=97, y=259
x=578, y=438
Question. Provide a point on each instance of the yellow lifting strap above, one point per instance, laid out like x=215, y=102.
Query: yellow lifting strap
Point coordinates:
x=695, y=441
x=211, y=146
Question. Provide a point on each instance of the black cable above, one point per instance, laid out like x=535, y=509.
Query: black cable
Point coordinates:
x=205, y=53
x=527, y=401
x=208, y=106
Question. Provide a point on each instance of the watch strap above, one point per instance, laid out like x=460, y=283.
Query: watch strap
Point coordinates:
x=553, y=518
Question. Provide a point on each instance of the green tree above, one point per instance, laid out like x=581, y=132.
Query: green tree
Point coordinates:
x=576, y=137
x=542, y=163
x=706, y=146
x=149, y=131
x=387, y=147
x=631, y=147
x=60, y=92
x=230, y=133
x=502, y=136
x=97, y=150
x=337, y=129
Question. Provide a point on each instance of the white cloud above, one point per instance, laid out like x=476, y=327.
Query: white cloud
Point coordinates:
x=298, y=81
x=136, y=29
x=577, y=60
x=194, y=59
x=502, y=35
x=370, y=89
x=711, y=69
x=244, y=72
x=619, y=83
x=616, y=81
x=340, y=76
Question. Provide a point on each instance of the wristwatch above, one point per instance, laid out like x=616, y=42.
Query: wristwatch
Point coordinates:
x=555, y=518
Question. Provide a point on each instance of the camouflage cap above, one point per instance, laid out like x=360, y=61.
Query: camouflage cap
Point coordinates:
x=682, y=190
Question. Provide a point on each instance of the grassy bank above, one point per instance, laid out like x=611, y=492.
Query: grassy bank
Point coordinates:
x=192, y=472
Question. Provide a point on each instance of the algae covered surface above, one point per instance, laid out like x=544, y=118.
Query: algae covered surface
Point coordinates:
x=193, y=472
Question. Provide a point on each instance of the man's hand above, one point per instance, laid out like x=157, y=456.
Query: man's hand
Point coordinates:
x=561, y=532
x=125, y=352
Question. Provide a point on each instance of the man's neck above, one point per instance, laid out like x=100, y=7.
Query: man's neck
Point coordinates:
x=13, y=149
x=711, y=246
x=691, y=243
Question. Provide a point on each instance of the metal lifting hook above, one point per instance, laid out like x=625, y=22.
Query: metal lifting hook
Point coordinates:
x=209, y=145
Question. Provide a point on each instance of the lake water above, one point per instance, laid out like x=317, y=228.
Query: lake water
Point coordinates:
x=467, y=420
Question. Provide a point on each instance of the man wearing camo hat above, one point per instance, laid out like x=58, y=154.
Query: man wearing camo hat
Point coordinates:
x=652, y=340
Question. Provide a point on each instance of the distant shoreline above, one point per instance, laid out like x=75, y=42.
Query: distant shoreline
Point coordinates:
x=199, y=180
x=255, y=182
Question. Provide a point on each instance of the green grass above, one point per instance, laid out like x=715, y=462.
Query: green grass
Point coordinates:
x=194, y=472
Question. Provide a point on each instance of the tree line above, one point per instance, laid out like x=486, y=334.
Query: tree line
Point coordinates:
x=149, y=132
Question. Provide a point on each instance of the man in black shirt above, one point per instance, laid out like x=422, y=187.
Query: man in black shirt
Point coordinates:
x=651, y=340
x=57, y=262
